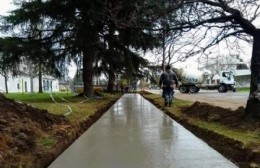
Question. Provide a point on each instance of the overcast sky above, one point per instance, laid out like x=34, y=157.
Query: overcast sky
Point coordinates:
x=6, y=6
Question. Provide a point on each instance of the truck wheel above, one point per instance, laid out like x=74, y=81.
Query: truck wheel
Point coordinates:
x=193, y=89
x=222, y=89
x=183, y=89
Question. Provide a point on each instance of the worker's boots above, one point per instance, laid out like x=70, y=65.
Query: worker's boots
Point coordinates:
x=166, y=104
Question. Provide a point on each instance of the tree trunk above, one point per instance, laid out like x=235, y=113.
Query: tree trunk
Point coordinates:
x=31, y=83
x=111, y=80
x=6, y=85
x=253, y=103
x=31, y=77
x=163, y=54
x=111, y=73
x=40, y=78
x=88, y=59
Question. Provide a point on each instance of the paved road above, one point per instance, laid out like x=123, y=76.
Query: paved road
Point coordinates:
x=231, y=100
x=135, y=134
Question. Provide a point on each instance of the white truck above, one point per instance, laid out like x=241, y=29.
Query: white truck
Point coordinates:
x=191, y=80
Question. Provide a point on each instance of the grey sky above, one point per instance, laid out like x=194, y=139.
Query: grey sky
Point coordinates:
x=6, y=6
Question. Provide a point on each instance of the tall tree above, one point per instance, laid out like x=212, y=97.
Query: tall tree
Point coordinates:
x=118, y=57
x=10, y=49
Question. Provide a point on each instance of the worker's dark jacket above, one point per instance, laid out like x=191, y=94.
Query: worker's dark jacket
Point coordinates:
x=168, y=78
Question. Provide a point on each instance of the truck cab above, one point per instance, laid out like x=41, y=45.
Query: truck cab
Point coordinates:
x=227, y=82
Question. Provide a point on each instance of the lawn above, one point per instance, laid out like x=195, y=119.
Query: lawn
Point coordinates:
x=243, y=89
x=61, y=103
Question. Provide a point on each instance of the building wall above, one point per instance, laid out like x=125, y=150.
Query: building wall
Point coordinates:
x=19, y=84
x=15, y=84
x=22, y=84
x=49, y=84
x=2, y=84
x=243, y=81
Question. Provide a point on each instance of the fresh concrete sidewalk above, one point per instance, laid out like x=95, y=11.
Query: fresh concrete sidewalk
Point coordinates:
x=135, y=134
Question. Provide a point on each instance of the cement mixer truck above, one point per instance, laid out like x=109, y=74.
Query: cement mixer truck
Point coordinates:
x=191, y=80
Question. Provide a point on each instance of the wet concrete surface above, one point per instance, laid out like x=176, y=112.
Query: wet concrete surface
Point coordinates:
x=135, y=134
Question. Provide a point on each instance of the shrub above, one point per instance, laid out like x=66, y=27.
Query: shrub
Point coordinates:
x=98, y=91
x=79, y=89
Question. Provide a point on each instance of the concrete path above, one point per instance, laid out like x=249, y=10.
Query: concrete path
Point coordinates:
x=135, y=134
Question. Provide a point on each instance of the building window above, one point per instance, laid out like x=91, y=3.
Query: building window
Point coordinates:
x=242, y=66
x=18, y=86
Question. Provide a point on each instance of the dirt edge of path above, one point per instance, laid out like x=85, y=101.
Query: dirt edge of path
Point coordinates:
x=44, y=160
x=232, y=149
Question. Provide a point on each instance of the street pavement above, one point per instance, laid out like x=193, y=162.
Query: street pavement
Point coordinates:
x=133, y=133
x=232, y=100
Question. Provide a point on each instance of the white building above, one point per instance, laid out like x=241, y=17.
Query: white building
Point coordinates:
x=242, y=76
x=22, y=84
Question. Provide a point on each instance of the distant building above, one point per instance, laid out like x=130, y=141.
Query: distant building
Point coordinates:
x=239, y=68
x=22, y=84
x=242, y=75
x=26, y=80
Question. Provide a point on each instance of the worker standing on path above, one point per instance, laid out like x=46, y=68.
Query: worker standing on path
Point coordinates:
x=166, y=82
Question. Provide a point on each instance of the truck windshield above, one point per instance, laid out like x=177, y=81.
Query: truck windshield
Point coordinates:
x=226, y=74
